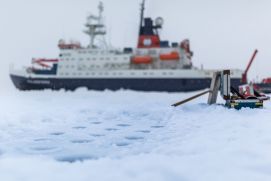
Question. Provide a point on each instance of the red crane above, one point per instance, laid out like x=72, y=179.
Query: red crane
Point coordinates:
x=244, y=75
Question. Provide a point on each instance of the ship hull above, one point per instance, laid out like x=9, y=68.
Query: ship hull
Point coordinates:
x=139, y=84
x=263, y=87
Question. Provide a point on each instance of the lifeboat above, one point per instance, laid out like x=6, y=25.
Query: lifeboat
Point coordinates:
x=170, y=56
x=142, y=60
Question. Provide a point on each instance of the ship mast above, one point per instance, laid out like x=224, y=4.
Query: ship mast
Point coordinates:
x=141, y=15
x=95, y=26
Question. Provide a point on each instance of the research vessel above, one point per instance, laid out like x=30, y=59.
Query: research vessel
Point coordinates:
x=154, y=65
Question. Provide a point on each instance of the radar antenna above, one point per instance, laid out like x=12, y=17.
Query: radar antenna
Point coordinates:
x=95, y=26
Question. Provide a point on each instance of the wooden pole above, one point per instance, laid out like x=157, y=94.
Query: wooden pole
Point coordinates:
x=190, y=98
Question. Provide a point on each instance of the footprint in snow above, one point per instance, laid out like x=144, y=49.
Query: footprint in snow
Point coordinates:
x=111, y=129
x=143, y=131
x=96, y=122
x=81, y=141
x=123, y=125
x=134, y=137
x=121, y=144
x=97, y=135
x=76, y=158
x=57, y=133
x=41, y=139
x=79, y=127
x=43, y=148
x=157, y=126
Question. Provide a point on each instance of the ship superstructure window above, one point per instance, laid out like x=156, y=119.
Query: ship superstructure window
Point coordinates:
x=66, y=54
x=82, y=52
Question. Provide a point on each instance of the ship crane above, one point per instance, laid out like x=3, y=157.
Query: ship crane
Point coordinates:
x=95, y=27
x=244, y=75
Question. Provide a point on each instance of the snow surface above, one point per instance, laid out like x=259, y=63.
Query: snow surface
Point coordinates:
x=127, y=135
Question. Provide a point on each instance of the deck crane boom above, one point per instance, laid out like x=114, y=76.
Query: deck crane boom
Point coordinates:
x=244, y=75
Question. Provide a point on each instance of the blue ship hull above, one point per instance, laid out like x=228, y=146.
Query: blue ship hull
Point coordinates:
x=167, y=84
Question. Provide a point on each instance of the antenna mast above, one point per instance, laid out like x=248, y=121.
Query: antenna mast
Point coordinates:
x=141, y=15
x=95, y=26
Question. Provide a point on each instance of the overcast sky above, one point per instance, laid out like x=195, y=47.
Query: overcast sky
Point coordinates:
x=223, y=34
